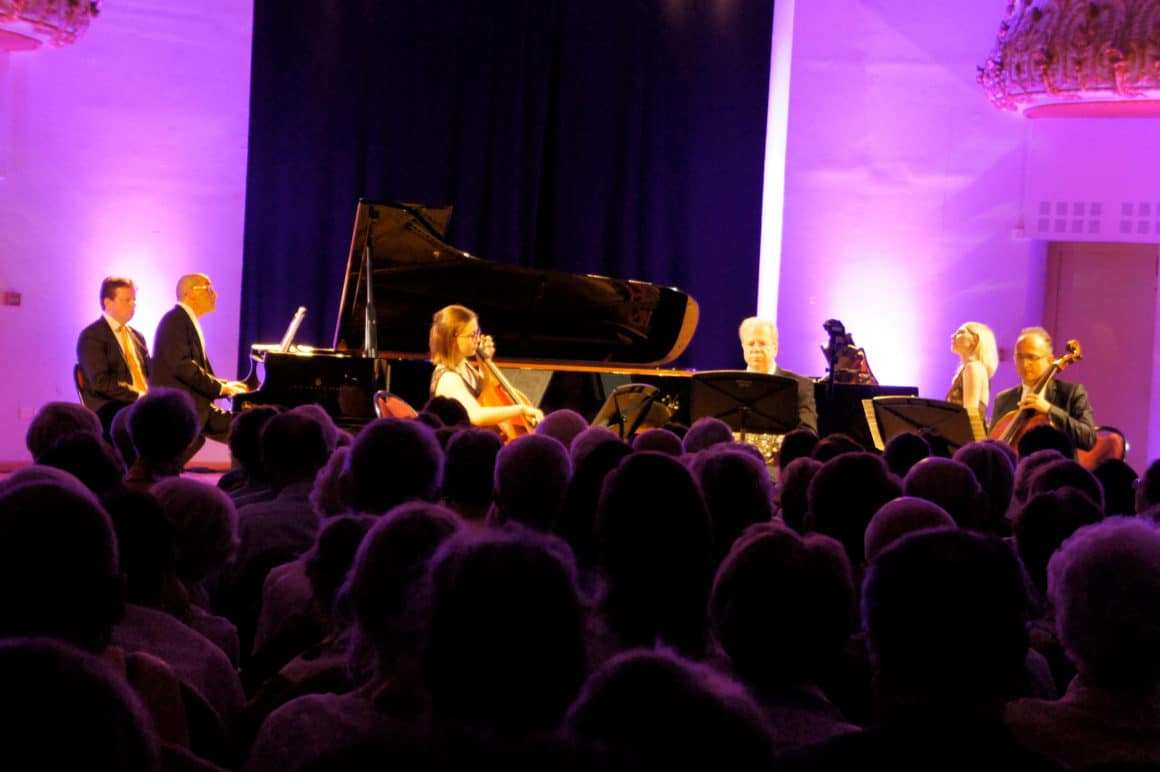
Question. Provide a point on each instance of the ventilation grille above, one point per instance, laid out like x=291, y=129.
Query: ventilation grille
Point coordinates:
x=1091, y=220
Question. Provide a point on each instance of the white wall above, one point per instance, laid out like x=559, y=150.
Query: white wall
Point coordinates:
x=123, y=154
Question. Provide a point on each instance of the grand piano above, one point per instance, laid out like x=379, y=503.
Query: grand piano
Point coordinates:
x=566, y=340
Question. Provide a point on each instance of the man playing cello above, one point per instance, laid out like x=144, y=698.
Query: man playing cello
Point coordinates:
x=1062, y=403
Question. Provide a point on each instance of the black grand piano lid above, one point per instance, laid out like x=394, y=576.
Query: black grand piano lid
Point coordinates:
x=534, y=314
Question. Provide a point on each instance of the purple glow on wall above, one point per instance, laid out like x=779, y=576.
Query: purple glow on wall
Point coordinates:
x=122, y=154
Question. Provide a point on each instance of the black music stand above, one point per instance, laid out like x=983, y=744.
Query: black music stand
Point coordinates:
x=631, y=406
x=751, y=403
x=955, y=424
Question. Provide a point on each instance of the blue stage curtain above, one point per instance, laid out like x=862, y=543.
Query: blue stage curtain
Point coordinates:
x=619, y=137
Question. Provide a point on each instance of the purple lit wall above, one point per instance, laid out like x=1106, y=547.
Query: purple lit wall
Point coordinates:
x=902, y=187
x=908, y=205
x=126, y=154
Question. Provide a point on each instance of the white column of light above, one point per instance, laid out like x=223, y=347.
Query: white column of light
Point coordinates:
x=773, y=187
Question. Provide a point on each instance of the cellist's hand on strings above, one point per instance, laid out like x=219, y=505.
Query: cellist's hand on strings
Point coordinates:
x=1036, y=402
x=486, y=347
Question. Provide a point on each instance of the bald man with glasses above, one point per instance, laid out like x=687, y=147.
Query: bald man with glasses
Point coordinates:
x=180, y=360
x=1064, y=404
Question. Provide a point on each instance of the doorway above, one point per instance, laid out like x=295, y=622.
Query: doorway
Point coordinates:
x=1104, y=296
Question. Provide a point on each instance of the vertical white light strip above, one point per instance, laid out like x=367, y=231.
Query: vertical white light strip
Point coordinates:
x=776, y=131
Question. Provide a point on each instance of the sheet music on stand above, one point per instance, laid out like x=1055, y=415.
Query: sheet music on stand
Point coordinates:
x=955, y=424
x=292, y=329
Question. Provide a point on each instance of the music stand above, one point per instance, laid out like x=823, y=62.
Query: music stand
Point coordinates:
x=751, y=403
x=955, y=424
x=630, y=406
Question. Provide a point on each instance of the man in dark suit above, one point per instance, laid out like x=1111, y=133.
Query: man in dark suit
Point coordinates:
x=112, y=356
x=1065, y=404
x=180, y=360
x=759, y=347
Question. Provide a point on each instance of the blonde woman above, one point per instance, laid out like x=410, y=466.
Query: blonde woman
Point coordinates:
x=975, y=345
x=455, y=338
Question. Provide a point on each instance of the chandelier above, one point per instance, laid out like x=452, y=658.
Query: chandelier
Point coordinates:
x=26, y=25
x=1076, y=57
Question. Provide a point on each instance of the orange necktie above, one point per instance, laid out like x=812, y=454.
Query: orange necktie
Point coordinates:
x=135, y=370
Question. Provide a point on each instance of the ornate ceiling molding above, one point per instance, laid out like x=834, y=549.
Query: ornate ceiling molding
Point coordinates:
x=1069, y=53
x=26, y=25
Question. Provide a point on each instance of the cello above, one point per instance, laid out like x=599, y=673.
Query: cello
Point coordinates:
x=1011, y=427
x=498, y=391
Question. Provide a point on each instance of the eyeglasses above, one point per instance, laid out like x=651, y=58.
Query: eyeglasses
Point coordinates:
x=476, y=335
x=202, y=287
x=1029, y=357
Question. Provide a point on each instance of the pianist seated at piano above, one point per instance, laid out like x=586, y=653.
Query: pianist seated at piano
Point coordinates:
x=455, y=339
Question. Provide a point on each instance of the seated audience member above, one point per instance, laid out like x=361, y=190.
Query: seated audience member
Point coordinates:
x=1064, y=473
x=156, y=609
x=286, y=611
x=904, y=450
x=65, y=709
x=951, y=485
x=310, y=661
x=450, y=412
x=531, y=476
x=944, y=611
x=653, y=710
x=583, y=443
x=576, y=523
x=737, y=492
x=563, y=424
x=834, y=445
x=995, y=472
x=504, y=653
x=122, y=440
x=331, y=434
x=899, y=517
x=327, y=496
x=659, y=440
x=799, y=443
x=792, y=492
x=1118, y=481
x=205, y=530
x=706, y=432
x=163, y=425
x=59, y=578
x=279, y=529
x=55, y=420
x=247, y=478
x=1046, y=437
x=772, y=583
x=654, y=546
x=1148, y=488
x=1044, y=523
x=392, y=460
x=88, y=458
x=1025, y=469
x=469, y=472
x=844, y=494
x=381, y=596
x=1104, y=583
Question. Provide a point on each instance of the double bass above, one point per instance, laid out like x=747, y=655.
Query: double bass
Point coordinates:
x=1011, y=427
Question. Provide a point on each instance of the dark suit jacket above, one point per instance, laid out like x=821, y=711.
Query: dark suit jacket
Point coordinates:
x=107, y=376
x=179, y=361
x=807, y=408
x=1070, y=411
